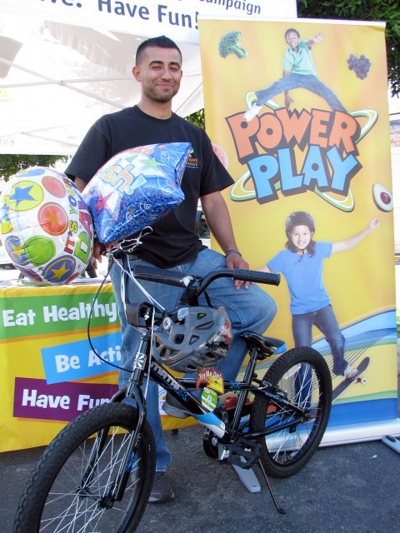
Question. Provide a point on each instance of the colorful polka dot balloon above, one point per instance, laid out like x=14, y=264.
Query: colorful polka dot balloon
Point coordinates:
x=136, y=188
x=46, y=226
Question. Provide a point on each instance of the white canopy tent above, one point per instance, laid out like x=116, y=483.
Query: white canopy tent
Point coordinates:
x=64, y=63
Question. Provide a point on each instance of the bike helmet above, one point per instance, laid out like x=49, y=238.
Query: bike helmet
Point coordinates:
x=299, y=218
x=200, y=339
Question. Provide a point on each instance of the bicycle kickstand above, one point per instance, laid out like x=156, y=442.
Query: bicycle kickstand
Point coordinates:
x=279, y=509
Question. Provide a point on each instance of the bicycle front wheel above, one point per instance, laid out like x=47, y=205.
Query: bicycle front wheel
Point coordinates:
x=72, y=486
x=302, y=377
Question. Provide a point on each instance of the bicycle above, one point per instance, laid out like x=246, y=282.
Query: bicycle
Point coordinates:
x=97, y=474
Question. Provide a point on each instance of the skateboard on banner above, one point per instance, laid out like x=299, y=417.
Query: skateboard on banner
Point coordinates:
x=361, y=368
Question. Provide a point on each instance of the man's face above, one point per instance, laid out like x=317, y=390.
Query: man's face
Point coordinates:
x=292, y=39
x=160, y=73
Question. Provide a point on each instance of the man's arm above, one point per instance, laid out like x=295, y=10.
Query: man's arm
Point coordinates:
x=80, y=184
x=219, y=221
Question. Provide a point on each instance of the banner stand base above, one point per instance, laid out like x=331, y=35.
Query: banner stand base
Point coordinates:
x=348, y=434
x=352, y=433
x=392, y=442
x=248, y=478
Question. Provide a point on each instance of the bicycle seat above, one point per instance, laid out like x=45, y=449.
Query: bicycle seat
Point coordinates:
x=266, y=346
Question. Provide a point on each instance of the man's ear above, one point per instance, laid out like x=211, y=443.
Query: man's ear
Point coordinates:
x=136, y=73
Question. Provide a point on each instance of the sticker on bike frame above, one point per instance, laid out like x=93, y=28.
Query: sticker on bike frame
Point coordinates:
x=209, y=398
x=212, y=378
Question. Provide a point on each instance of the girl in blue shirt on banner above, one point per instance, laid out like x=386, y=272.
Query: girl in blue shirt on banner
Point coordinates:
x=302, y=265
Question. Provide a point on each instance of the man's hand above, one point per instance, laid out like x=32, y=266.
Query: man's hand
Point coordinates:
x=233, y=261
x=100, y=249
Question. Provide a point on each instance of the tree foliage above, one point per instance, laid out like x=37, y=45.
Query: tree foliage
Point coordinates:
x=197, y=118
x=363, y=10
x=10, y=164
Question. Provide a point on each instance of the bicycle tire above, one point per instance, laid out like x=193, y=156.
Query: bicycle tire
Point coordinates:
x=56, y=497
x=286, y=451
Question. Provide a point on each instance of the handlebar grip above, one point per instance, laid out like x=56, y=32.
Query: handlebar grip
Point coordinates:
x=256, y=276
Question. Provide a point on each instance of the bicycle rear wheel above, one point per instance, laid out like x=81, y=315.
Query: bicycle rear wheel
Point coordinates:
x=303, y=377
x=70, y=488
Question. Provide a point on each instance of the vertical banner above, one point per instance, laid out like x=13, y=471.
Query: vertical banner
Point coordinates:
x=298, y=113
x=395, y=149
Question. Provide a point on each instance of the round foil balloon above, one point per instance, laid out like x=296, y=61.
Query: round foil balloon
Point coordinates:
x=46, y=226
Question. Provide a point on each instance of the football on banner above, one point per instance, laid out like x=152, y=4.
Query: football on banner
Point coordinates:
x=136, y=188
x=46, y=226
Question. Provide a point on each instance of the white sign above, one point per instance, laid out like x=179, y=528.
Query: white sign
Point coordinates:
x=65, y=63
x=175, y=18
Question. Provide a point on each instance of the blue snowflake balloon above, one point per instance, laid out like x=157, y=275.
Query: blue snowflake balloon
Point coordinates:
x=136, y=188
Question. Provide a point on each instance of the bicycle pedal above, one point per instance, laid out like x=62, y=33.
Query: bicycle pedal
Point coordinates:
x=242, y=453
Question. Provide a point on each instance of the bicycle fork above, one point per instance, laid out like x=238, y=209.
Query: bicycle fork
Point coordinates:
x=114, y=491
x=132, y=396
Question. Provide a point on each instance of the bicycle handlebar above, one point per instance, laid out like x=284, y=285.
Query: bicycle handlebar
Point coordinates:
x=158, y=275
x=171, y=277
x=256, y=276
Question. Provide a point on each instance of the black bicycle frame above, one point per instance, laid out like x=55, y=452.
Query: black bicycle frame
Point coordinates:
x=145, y=367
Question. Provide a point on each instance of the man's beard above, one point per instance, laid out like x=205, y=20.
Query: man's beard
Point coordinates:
x=161, y=97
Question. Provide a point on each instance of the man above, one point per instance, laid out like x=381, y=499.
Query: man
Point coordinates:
x=298, y=72
x=174, y=242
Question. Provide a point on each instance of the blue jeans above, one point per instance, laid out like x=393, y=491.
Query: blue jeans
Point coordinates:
x=297, y=81
x=326, y=322
x=251, y=309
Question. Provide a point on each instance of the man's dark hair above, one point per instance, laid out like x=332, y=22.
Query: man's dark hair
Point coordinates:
x=291, y=29
x=160, y=42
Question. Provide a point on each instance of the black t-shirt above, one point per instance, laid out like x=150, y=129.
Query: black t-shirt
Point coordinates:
x=174, y=239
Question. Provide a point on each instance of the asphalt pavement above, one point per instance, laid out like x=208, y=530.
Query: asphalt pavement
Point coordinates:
x=353, y=488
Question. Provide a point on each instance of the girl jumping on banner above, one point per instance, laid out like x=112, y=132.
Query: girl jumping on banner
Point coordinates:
x=302, y=264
